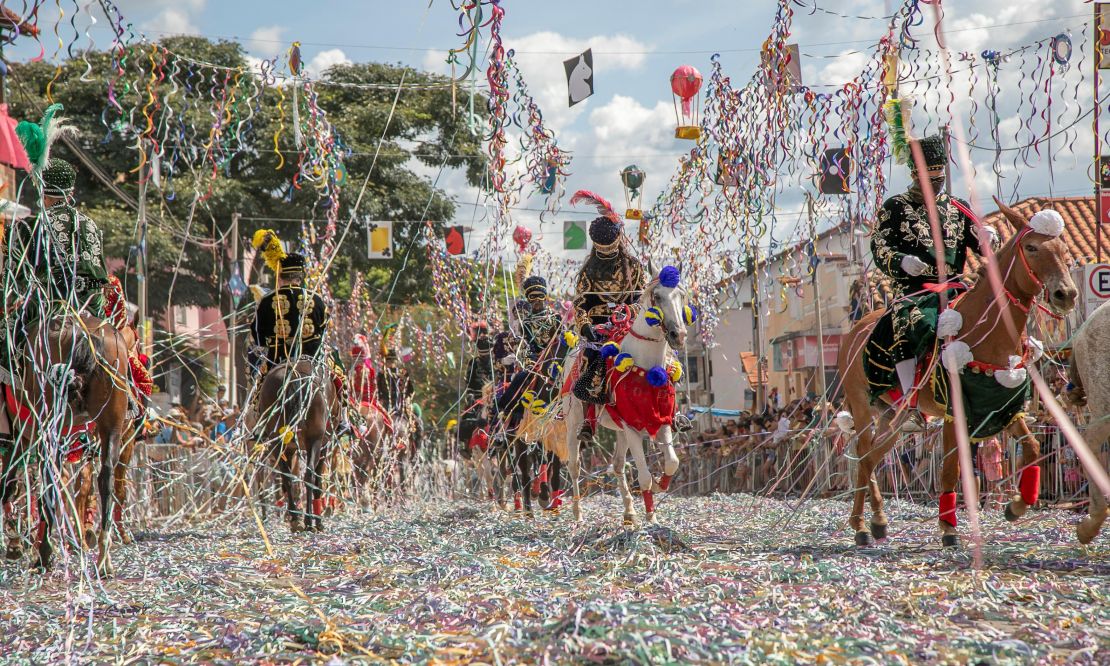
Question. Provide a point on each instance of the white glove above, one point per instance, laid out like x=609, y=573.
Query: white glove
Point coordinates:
x=988, y=236
x=913, y=266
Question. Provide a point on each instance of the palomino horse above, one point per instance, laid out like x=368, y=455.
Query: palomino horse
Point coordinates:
x=1030, y=263
x=295, y=406
x=648, y=348
x=1089, y=370
x=75, y=368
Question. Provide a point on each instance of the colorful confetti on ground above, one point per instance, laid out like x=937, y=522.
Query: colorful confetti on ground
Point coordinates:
x=731, y=579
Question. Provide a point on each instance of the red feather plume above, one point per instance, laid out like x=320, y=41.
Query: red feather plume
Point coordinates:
x=603, y=206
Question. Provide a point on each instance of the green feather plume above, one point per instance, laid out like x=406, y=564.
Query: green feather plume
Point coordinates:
x=38, y=137
x=892, y=109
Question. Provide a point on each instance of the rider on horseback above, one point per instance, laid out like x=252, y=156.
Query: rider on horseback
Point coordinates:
x=903, y=248
x=610, y=277
x=289, y=322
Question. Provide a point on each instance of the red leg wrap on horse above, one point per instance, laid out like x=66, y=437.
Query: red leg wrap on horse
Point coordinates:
x=40, y=533
x=117, y=514
x=543, y=473
x=517, y=503
x=333, y=502
x=556, y=499
x=1030, y=484
x=318, y=507
x=665, y=482
x=649, y=501
x=536, y=483
x=948, y=508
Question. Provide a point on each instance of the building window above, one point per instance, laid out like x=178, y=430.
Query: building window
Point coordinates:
x=179, y=315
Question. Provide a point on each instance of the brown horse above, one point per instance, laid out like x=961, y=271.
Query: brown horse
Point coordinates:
x=296, y=405
x=368, y=448
x=1030, y=263
x=74, y=375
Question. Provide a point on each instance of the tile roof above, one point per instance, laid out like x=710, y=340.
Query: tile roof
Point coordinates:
x=1079, y=224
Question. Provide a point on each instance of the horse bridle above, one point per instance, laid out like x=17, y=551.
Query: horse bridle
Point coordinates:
x=1040, y=286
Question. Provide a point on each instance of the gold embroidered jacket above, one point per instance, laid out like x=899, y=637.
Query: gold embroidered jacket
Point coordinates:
x=605, y=283
x=290, y=323
x=903, y=229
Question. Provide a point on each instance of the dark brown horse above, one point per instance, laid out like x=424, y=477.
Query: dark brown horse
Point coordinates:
x=74, y=377
x=296, y=407
x=1030, y=265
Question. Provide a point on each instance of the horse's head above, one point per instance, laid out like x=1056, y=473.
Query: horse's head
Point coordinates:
x=1040, y=257
x=664, y=304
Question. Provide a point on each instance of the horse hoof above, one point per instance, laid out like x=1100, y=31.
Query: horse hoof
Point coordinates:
x=863, y=538
x=629, y=521
x=90, y=537
x=1086, y=532
x=1009, y=513
x=878, y=531
x=13, y=553
x=950, y=540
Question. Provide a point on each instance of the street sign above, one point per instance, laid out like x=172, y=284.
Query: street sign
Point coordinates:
x=1098, y=281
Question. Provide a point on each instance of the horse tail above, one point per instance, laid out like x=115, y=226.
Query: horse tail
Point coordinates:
x=71, y=378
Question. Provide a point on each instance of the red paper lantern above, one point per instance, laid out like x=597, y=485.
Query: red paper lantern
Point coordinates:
x=522, y=236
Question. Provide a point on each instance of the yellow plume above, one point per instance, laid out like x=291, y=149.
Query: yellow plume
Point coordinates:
x=267, y=242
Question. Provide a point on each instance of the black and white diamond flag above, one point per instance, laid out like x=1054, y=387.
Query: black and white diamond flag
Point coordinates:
x=580, y=76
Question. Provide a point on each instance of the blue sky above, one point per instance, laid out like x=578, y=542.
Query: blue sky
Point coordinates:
x=636, y=47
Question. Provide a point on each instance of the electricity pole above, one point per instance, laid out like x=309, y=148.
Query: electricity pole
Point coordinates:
x=145, y=341
x=232, y=331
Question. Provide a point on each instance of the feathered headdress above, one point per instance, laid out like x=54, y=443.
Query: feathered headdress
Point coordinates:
x=387, y=335
x=37, y=138
x=892, y=109
x=603, y=207
x=523, y=270
x=267, y=242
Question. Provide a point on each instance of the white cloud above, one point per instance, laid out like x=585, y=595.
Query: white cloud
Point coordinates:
x=267, y=40
x=325, y=59
x=172, y=21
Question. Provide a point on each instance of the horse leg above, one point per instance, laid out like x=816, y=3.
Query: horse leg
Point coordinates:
x=1089, y=527
x=313, y=483
x=670, y=460
x=555, y=482
x=1029, y=484
x=50, y=500
x=120, y=486
x=522, y=475
x=109, y=452
x=573, y=410
x=643, y=472
x=620, y=451
x=84, y=510
x=292, y=511
x=9, y=489
x=949, y=477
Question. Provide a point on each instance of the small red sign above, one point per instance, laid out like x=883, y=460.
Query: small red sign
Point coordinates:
x=1104, y=206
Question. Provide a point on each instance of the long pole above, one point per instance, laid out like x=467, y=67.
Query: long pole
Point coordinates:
x=760, y=380
x=817, y=308
x=141, y=268
x=233, y=330
x=1097, y=65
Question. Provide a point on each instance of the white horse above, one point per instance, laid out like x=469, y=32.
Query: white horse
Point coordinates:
x=649, y=347
x=1089, y=371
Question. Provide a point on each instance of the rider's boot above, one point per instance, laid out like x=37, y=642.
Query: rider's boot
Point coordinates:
x=907, y=378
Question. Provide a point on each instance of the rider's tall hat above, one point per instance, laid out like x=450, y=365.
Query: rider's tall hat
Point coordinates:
x=51, y=175
x=535, y=288
x=934, y=149
x=606, y=229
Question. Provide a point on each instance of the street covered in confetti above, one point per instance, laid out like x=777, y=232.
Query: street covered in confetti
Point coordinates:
x=506, y=332
x=722, y=579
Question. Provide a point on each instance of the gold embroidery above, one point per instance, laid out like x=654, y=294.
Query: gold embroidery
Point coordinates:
x=281, y=305
x=305, y=303
x=282, y=329
x=308, y=329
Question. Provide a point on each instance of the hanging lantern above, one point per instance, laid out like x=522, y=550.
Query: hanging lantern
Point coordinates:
x=633, y=178
x=685, y=84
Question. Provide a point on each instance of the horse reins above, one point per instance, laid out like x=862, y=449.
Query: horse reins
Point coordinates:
x=1040, y=286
